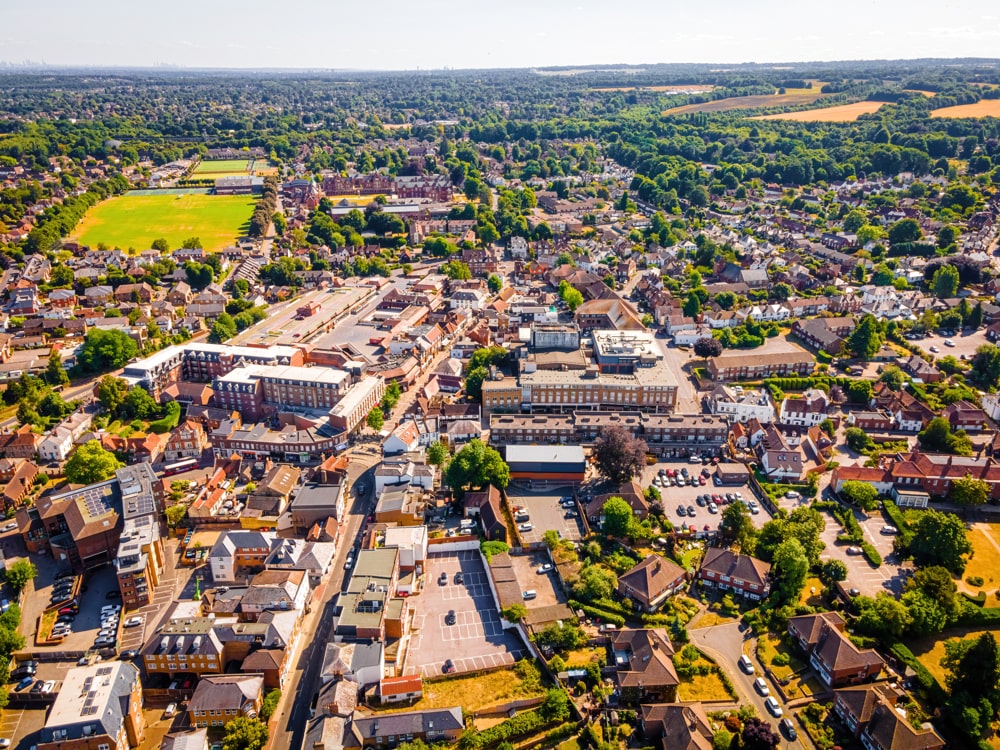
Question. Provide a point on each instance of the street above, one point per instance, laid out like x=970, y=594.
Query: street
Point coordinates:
x=725, y=644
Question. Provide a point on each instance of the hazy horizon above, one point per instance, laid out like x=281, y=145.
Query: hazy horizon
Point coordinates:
x=519, y=34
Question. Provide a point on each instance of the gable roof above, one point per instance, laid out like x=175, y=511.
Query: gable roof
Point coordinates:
x=651, y=576
x=728, y=563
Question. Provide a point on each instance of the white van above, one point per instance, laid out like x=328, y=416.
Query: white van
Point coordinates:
x=529, y=594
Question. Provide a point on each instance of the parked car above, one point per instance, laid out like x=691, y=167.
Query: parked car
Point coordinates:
x=104, y=641
x=449, y=666
x=792, y=495
x=24, y=683
x=443, y=578
x=449, y=619
x=788, y=729
x=681, y=510
x=459, y=578
x=854, y=550
x=544, y=568
x=133, y=622
x=69, y=610
x=5, y=743
x=49, y=686
x=38, y=687
x=525, y=527
x=713, y=508
x=949, y=342
x=9, y=526
x=889, y=530
x=171, y=710
x=21, y=672
x=746, y=665
x=572, y=514
x=130, y=654
x=760, y=685
x=691, y=511
x=772, y=706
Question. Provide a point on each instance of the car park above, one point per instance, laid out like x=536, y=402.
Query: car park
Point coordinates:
x=746, y=665
x=133, y=622
x=760, y=685
x=49, y=686
x=171, y=710
x=24, y=683
x=459, y=578
x=773, y=707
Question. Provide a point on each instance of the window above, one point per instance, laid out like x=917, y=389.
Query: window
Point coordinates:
x=103, y=746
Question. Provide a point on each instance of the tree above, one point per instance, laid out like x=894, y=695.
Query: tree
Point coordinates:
x=945, y=282
x=618, y=454
x=456, y=270
x=437, y=453
x=986, y=365
x=790, y=569
x=476, y=465
x=857, y=439
x=54, y=373
x=270, y=702
x=618, y=517
x=474, y=382
x=860, y=494
x=937, y=437
x=883, y=615
x=692, y=305
x=707, y=347
x=105, y=350
x=391, y=397
x=494, y=283
x=782, y=291
x=91, y=463
x=968, y=490
x=19, y=573
x=893, y=377
x=223, y=329
x=832, y=571
x=737, y=525
x=595, y=582
x=192, y=243
x=940, y=539
x=138, y=404
x=860, y=391
x=375, y=419
x=905, y=231
x=865, y=339
x=243, y=733
x=757, y=735
x=555, y=707
x=515, y=612
x=111, y=392
x=175, y=514
x=161, y=245
x=973, y=679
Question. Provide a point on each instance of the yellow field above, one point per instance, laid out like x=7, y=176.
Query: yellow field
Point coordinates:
x=361, y=200
x=985, y=560
x=928, y=94
x=843, y=113
x=930, y=649
x=791, y=97
x=982, y=108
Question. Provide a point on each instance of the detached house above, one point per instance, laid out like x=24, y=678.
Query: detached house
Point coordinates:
x=807, y=411
x=650, y=583
x=870, y=713
x=644, y=666
x=834, y=657
x=729, y=571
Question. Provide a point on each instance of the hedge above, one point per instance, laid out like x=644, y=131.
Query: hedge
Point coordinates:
x=871, y=554
x=895, y=514
x=978, y=599
x=512, y=728
x=972, y=616
x=802, y=384
x=611, y=617
x=924, y=677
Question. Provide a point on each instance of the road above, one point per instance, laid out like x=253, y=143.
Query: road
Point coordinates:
x=725, y=644
x=293, y=711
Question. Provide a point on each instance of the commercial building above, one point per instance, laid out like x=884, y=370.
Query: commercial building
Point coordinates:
x=370, y=609
x=97, y=708
x=256, y=391
x=292, y=443
x=353, y=409
x=564, y=463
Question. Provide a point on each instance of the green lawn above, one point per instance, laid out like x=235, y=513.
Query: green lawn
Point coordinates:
x=136, y=220
x=224, y=166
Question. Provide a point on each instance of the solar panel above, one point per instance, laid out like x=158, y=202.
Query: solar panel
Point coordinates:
x=104, y=670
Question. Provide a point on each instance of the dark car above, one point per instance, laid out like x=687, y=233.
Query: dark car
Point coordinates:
x=114, y=594
x=449, y=619
x=24, y=683
x=788, y=729
x=37, y=687
x=443, y=578
x=130, y=654
x=459, y=578
x=449, y=666
x=23, y=671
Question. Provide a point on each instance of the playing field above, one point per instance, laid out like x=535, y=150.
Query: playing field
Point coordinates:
x=791, y=97
x=843, y=113
x=136, y=220
x=223, y=166
x=982, y=108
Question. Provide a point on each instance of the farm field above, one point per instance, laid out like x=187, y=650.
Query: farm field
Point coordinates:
x=136, y=220
x=791, y=97
x=842, y=113
x=928, y=94
x=982, y=108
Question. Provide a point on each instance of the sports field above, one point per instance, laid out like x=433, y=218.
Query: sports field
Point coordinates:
x=982, y=108
x=223, y=166
x=842, y=113
x=136, y=220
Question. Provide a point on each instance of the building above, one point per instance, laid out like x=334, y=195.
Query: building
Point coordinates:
x=187, y=440
x=741, y=405
x=192, y=740
x=934, y=472
x=353, y=409
x=250, y=388
x=362, y=663
x=140, y=560
x=97, y=708
x=651, y=582
x=870, y=713
x=277, y=589
x=832, y=654
x=188, y=645
x=239, y=554
x=547, y=463
x=728, y=571
x=808, y=410
x=442, y=725
x=219, y=699
x=238, y=184
x=644, y=667
x=401, y=689
x=677, y=725
x=736, y=365
x=322, y=496
x=298, y=442
x=365, y=606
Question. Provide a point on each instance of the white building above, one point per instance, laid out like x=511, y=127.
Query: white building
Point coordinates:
x=742, y=404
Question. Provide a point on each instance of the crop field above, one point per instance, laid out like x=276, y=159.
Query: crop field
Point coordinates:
x=928, y=94
x=982, y=108
x=842, y=113
x=791, y=97
x=136, y=220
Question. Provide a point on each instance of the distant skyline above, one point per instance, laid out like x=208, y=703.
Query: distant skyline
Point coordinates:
x=396, y=35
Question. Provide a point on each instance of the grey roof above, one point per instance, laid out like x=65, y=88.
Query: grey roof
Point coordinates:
x=408, y=722
x=93, y=701
x=545, y=453
x=193, y=740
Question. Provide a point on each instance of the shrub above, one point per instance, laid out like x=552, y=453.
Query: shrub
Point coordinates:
x=974, y=581
x=781, y=660
x=979, y=598
x=610, y=617
x=871, y=554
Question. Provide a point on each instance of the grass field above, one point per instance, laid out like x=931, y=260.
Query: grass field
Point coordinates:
x=985, y=560
x=472, y=692
x=791, y=97
x=136, y=220
x=982, y=108
x=843, y=113
x=223, y=166
x=930, y=649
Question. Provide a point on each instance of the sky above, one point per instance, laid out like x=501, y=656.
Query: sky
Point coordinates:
x=423, y=34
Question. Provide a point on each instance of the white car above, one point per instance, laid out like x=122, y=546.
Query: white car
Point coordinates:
x=746, y=665
x=133, y=622
x=9, y=526
x=525, y=527
x=772, y=705
x=544, y=568
x=760, y=685
x=949, y=342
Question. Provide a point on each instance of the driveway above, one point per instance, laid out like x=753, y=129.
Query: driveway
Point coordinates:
x=726, y=644
x=544, y=513
x=476, y=640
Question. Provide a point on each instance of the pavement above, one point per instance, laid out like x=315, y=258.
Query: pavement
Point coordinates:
x=545, y=513
x=965, y=342
x=726, y=644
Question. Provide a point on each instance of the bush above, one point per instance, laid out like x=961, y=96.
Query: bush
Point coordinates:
x=979, y=598
x=782, y=659
x=974, y=581
x=973, y=616
x=895, y=515
x=610, y=617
